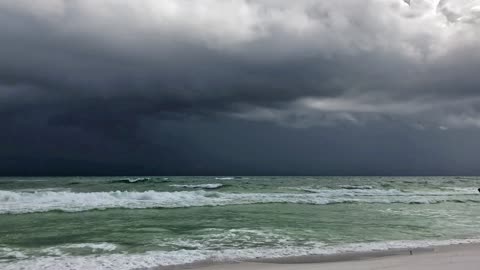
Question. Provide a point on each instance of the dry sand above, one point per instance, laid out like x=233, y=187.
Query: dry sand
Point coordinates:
x=458, y=257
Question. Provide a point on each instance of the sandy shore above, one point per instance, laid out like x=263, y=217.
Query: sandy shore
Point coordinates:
x=457, y=257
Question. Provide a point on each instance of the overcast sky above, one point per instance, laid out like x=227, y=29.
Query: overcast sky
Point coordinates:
x=345, y=87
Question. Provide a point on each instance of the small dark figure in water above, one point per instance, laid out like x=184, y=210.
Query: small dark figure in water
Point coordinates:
x=479, y=190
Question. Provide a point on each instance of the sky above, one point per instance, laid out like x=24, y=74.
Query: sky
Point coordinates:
x=239, y=87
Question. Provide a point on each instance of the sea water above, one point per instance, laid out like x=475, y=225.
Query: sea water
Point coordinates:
x=140, y=222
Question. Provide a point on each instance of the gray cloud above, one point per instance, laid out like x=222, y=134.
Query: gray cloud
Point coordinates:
x=159, y=57
x=103, y=69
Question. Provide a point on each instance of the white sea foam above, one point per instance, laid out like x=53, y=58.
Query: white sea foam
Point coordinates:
x=165, y=258
x=224, y=178
x=7, y=253
x=92, y=246
x=217, y=239
x=473, y=190
x=64, y=250
x=386, y=192
x=132, y=180
x=27, y=202
x=354, y=192
x=199, y=186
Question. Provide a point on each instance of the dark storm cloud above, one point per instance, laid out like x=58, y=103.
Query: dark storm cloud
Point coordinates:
x=127, y=59
x=112, y=72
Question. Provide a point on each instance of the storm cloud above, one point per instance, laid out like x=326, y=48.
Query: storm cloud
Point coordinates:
x=90, y=80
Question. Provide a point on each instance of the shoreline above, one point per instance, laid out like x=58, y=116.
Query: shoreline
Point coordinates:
x=454, y=256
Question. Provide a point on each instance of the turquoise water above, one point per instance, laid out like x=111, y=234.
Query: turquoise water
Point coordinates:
x=135, y=222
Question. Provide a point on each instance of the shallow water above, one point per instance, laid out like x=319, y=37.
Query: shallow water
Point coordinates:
x=132, y=222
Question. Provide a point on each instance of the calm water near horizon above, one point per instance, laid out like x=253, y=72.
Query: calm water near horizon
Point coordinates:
x=134, y=222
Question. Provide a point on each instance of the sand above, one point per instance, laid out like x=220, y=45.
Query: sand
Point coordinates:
x=457, y=257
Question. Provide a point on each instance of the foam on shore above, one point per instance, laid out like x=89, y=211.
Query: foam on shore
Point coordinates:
x=181, y=257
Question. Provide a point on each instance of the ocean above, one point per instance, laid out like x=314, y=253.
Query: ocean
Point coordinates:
x=141, y=222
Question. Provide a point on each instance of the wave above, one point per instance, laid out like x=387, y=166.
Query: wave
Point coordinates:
x=5, y=182
x=463, y=189
x=199, y=186
x=153, y=259
x=362, y=191
x=131, y=180
x=73, y=183
x=9, y=253
x=12, y=202
x=33, y=190
x=355, y=187
x=141, y=180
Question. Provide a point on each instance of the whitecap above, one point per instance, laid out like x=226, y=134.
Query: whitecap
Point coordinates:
x=131, y=180
x=26, y=202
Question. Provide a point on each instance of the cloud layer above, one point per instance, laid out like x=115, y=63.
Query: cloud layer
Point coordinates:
x=112, y=70
x=290, y=59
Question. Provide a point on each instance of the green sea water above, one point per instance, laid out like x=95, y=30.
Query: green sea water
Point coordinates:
x=135, y=222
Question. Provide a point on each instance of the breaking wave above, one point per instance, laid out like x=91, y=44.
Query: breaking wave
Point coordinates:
x=228, y=178
x=131, y=180
x=12, y=202
x=153, y=259
x=370, y=191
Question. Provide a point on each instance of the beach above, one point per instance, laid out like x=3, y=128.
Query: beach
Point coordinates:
x=145, y=222
x=239, y=134
x=465, y=257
